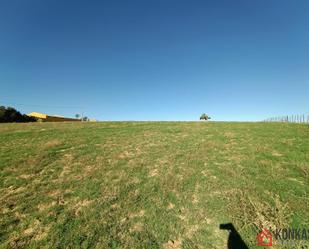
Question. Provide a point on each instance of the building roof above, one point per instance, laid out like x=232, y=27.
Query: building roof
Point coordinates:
x=50, y=118
x=37, y=115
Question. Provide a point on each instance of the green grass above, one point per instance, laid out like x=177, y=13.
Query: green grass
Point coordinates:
x=149, y=184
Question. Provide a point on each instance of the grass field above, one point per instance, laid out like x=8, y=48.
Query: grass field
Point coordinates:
x=150, y=184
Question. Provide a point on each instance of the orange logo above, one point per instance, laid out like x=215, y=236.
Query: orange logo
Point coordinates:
x=264, y=238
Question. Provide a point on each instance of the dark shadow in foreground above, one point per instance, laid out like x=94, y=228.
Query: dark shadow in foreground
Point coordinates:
x=234, y=241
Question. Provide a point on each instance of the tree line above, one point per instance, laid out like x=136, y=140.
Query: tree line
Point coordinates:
x=10, y=115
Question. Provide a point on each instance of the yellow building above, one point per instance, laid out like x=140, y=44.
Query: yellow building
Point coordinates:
x=49, y=118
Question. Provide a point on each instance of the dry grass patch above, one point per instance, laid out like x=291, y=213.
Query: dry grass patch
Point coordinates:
x=50, y=144
x=45, y=206
x=81, y=205
x=170, y=206
x=137, y=227
x=276, y=154
x=153, y=172
x=141, y=213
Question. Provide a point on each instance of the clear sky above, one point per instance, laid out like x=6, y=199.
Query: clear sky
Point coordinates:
x=156, y=60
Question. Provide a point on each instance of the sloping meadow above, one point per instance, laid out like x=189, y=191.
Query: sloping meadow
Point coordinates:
x=150, y=184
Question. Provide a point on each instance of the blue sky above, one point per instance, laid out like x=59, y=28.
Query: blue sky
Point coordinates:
x=155, y=60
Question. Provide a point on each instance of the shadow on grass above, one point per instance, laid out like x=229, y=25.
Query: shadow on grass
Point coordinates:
x=234, y=240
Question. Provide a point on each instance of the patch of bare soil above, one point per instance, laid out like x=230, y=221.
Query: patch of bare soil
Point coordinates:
x=173, y=244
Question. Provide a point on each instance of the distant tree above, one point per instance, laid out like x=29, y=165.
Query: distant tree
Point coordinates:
x=9, y=114
x=204, y=116
x=26, y=118
x=85, y=119
x=2, y=112
x=77, y=116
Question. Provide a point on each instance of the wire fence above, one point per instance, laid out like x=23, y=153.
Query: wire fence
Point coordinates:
x=289, y=119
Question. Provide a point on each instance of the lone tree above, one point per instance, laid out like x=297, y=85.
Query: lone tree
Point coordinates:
x=204, y=116
x=77, y=116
